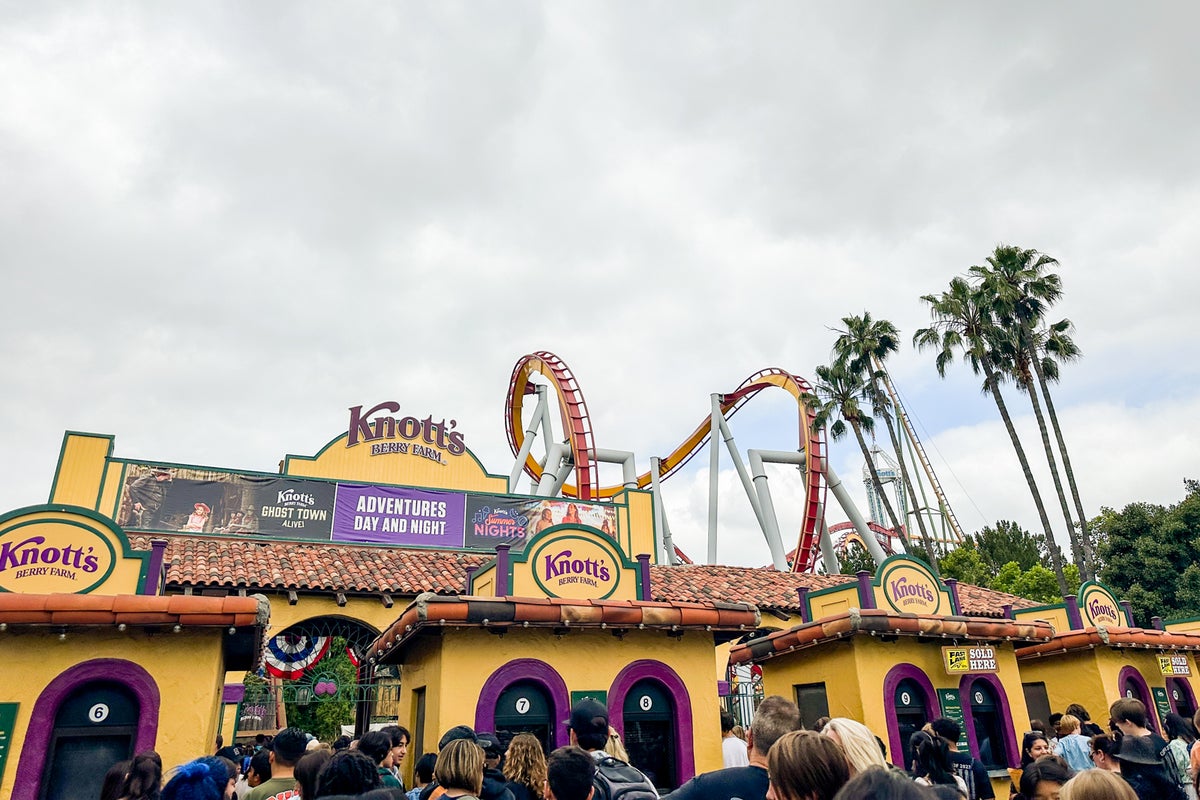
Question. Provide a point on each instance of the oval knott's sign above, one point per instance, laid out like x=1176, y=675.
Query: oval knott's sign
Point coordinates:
x=575, y=565
x=910, y=589
x=1099, y=606
x=54, y=556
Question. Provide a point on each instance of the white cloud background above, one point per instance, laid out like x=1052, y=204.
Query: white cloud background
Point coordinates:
x=222, y=224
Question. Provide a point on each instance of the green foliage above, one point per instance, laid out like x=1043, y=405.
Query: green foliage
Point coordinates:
x=1150, y=554
x=1007, y=541
x=323, y=718
x=1007, y=558
x=965, y=564
x=855, y=559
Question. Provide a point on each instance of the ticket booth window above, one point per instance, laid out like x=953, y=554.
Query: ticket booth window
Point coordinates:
x=650, y=732
x=988, y=721
x=524, y=708
x=1181, y=697
x=911, y=713
x=94, y=728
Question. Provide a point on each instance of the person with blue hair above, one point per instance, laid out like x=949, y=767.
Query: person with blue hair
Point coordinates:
x=205, y=778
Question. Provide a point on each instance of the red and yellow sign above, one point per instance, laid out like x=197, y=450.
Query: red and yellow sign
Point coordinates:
x=969, y=660
x=1174, y=665
x=54, y=556
x=906, y=585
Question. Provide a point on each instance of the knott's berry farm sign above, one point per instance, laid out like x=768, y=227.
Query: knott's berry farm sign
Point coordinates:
x=577, y=566
x=53, y=556
x=1099, y=606
x=405, y=435
x=906, y=585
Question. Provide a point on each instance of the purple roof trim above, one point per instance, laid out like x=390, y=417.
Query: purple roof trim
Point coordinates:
x=525, y=669
x=685, y=756
x=1011, y=751
x=41, y=723
x=895, y=675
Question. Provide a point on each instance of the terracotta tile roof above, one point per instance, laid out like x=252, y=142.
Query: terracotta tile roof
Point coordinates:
x=430, y=610
x=762, y=586
x=133, y=609
x=198, y=561
x=878, y=622
x=976, y=601
x=1139, y=638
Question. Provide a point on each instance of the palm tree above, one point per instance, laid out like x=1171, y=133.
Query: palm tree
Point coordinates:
x=862, y=347
x=838, y=391
x=1022, y=290
x=963, y=320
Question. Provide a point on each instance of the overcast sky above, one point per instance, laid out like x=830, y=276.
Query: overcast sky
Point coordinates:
x=222, y=224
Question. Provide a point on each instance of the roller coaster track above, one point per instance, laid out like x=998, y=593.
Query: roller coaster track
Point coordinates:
x=579, y=437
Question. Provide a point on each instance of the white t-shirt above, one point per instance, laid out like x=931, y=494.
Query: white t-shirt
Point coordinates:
x=734, y=752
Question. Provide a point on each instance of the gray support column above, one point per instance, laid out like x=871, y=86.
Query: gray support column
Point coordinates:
x=828, y=554
x=771, y=528
x=714, y=471
x=856, y=518
x=530, y=437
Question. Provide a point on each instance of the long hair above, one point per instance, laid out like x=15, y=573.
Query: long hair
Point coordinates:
x=460, y=766
x=932, y=757
x=114, y=781
x=613, y=745
x=805, y=765
x=1097, y=784
x=306, y=771
x=1178, y=727
x=526, y=763
x=1027, y=742
x=862, y=751
x=348, y=772
x=202, y=779
x=144, y=781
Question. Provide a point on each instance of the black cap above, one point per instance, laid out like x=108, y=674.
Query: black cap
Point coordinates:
x=458, y=732
x=289, y=744
x=490, y=744
x=1137, y=750
x=589, y=716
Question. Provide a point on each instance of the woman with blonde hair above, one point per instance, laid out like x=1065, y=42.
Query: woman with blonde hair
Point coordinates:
x=525, y=767
x=459, y=769
x=805, y=765
x=1096, y=784
x=1073, y=747
x=614, y=747
x=862, y=751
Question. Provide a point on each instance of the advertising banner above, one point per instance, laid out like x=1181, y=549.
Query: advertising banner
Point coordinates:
x=393, y=515
x=493, y=519
x=158, y=498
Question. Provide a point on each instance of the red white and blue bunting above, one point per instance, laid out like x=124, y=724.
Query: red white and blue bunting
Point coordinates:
x=289, y=656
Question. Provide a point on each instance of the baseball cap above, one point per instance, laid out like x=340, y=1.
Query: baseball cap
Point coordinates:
x=458, y=732
x=490, y=744
x=589, y=716
x=290, y=744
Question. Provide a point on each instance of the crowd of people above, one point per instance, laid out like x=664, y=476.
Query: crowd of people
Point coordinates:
x=1068, y=758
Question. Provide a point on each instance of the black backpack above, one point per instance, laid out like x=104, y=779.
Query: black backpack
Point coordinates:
x=616, y=780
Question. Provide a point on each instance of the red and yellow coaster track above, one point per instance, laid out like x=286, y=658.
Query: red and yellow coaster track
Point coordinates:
x=579, y=436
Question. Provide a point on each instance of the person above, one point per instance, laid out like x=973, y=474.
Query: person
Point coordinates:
x=143, y=780
x=1104, y=753
x=570, y=775
x=819, y=725
x=258, y=771
x=493, y=755
x=614, y=746
x=1052, y=732
x=572, y=515
x=931, y=762
x=249, y=521
x=1142, y=766
x=546, y=520
x=775, y=717
x=114, y=780
x=400, y=739
x=805, y=765
x=1034, y=745
x=286, y=749
x=1044, y=778
x=605, y=527
x=1096, y=784
x=1181, y=736
x=205, y=778
x=341, y=743
x=198, y=518
x=378, y=745
x=588, y=728
x=964, y=765
x=146, y=494
x=856, y=739
x=525, y=767
x=1129, y=715
x=459, y=769
x=1086, y=726
x=1073, y=747
x=733, y=749
x=307, y=770
x=347, y=772
x=423, y=774
x=881, y=783
x=493, y=788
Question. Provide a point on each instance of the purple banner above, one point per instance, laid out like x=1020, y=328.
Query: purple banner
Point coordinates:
x=390, y=515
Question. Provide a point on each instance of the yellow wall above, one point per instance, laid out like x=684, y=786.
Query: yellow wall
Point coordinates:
x=1057, y=617
x=80, y=469
x=185, y=666
x=834, y=603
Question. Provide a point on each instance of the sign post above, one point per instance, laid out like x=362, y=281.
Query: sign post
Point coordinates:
x=951, y=703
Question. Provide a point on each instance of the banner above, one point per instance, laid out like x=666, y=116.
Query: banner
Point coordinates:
x=158, y=498
x=493, y=519
x=393, y=515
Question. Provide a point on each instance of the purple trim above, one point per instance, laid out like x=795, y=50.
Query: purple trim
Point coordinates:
x=644, y=593
x=1157, y=623
x=233, y=693
x=895, y=675
x=685, y=756
x=866, y=592
x=527, y=669
x=1007, y=609
x=471, y=570
x=1010, y=736
x=1127, y=607
x=724, y=689
x=1129, y=673
x=41, y=725
x=1185, y=687
x=1074, y=618
x=952, y=585
x=805, y=610
x=502, y=573
x=154, y=570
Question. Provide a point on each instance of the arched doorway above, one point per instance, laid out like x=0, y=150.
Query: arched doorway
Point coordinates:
x=908, y=702
x=524, y=707
x=650, y=733
x=1182, y=699
x=95, y=727
x=1133, y=686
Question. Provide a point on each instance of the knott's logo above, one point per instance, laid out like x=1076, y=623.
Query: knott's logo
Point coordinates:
x=420, y=437
x=53, y=557
x=910, y=589
x=1100, y=607
x=576, y=566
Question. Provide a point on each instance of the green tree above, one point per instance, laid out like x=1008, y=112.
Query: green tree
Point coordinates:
x=863, y=347
x=1007, y=541
x=965, y=564
x=1035, y=583
x=322, y=715
x=964, y=320
x=855, y=559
